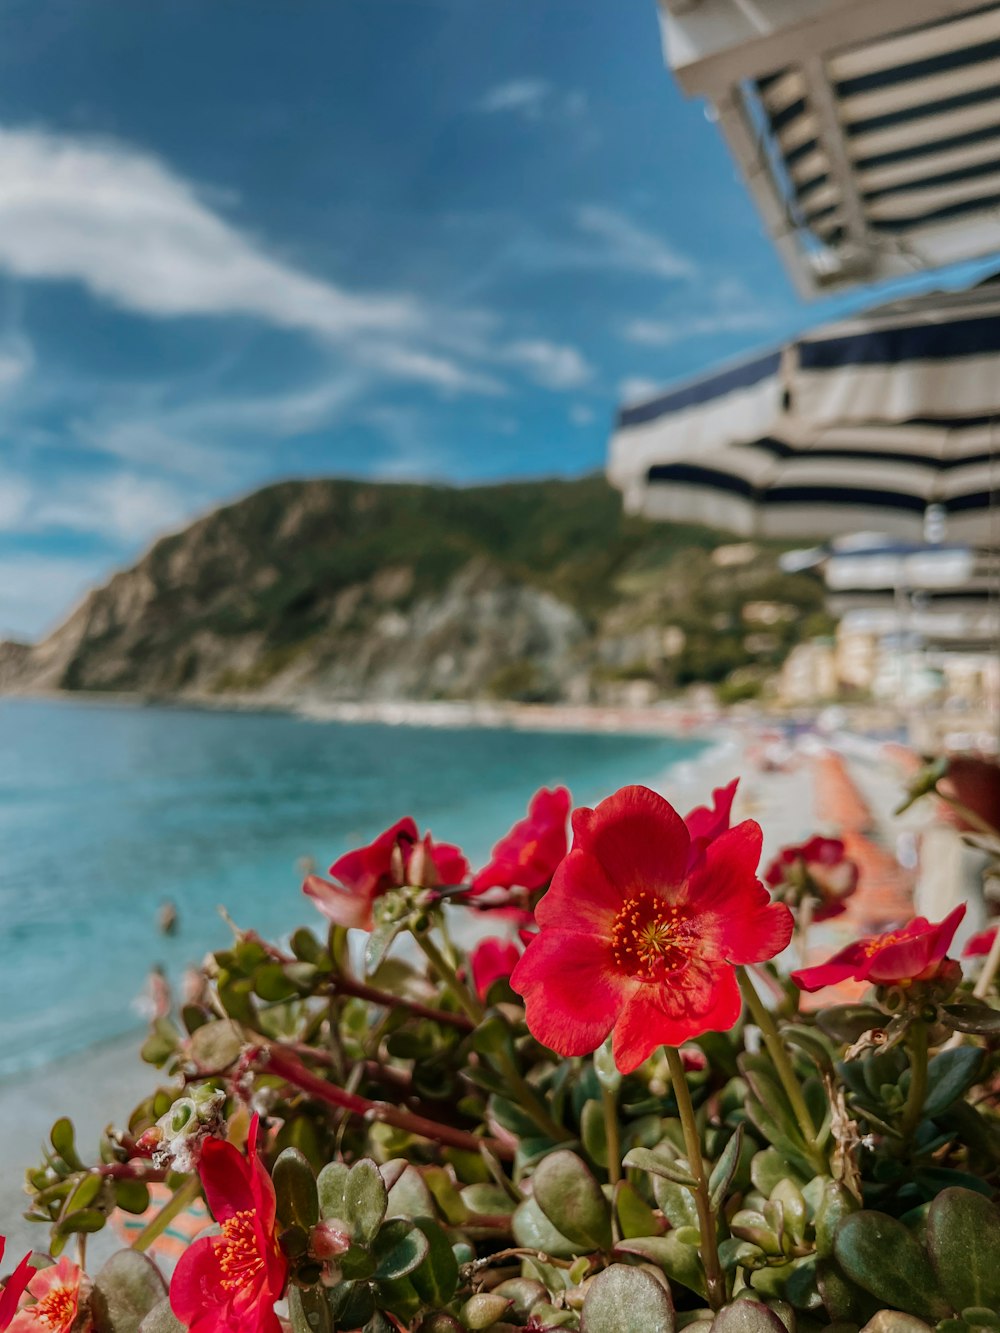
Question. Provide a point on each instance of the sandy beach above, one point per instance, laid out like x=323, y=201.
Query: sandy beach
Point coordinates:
x=103, y=1085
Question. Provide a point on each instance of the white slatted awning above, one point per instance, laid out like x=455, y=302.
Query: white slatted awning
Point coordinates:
x=869, y=134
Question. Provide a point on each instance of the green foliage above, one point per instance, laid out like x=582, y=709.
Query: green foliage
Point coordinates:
x=297, y=577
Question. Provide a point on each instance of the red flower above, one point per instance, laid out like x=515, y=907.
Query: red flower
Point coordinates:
x=491, y=959
x=632, y=939
x=56, y=1292
x=819, y=869
x=230, y=1282
x=16, y=1284
x=704, y=825
x=398, y=856
x=528, y=855
x=914, y=953
x=978, y=946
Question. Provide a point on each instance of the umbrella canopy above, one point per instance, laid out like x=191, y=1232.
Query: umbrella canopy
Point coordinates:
x=944, y=594
x=862, y=423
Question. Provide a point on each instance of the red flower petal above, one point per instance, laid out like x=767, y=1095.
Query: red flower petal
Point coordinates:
x=528, y=855
x=582, y=899
x=732, y=904
x=978, y=946
x=344, y=907
x=491, y=959
x=639, y=839
x=646, y=1022
x=705, y=823
x=450, y=865
x=364, y=868
x=572, y=990
x=16, y=1284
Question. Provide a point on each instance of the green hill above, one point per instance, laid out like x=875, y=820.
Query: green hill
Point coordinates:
x=357, y=590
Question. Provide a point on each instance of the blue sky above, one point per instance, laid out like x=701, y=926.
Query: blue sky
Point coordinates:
x=420, y=239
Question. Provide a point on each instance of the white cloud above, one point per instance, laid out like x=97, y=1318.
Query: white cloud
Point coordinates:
x=626, y=245
x=524, y=95
x=581, y=415
x=134, y=233
x=663, y=332
x=531, y=99
x=123, y=507
x=552, y=365
x=636, y=389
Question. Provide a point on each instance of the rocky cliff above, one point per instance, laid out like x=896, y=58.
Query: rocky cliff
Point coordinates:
x=342, y=590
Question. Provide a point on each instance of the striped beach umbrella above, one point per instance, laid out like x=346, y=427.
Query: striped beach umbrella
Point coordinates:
x=865, y=423
x=944, y=595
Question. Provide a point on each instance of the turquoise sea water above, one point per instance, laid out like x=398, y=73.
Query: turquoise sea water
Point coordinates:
x=106, y=811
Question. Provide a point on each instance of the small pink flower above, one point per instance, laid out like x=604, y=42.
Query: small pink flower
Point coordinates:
x=56, y=1293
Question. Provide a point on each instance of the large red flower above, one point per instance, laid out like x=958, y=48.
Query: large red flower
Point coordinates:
x=55, y=1304
x=398, y=856
x=818, y=869
x=528, y=855
x=15, y=1285
x=914, y=953
x=636, y=941
x=229, y=1283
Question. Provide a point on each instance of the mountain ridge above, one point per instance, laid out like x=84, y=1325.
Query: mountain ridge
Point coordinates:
x=344, y=590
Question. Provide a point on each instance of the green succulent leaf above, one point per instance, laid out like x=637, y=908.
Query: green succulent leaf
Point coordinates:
x=568, y=1194
x=963, y=1241
x=627, y=1300
x=680, y=1261
x=656, y=1163
x=331, y=1186
x=126, y=1290
x=879, y=1254
x=398, y=1249
x=436, y=1277
x=534, y=1231
x=747, y=1317
x=295, y=1190
x=977, y=1018
x=949, y=1075
x=725, y=1169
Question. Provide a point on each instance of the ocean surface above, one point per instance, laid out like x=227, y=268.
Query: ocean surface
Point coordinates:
x=107, y=811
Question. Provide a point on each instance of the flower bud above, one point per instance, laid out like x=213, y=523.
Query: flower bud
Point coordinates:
x=329, y=1239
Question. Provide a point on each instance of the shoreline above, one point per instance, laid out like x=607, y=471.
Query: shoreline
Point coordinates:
x=671, y=717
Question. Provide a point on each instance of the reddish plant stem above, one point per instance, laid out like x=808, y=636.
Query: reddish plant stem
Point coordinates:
x=138, y=1169
x=292, y=1070
x=362, y=991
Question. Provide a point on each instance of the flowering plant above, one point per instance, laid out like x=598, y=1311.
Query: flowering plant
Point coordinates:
x=589, y=1118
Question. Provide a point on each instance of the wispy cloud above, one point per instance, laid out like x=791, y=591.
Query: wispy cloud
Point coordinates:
x=581, y=414
x=663, y=332
x=627, y=245
x=127, y=228
x=552, y=365
x=134, y=233
x=121, y=508
x=636, y=388
x=531, y=99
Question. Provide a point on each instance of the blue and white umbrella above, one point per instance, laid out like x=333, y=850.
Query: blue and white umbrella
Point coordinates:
x=861, y=424
x=942, y=594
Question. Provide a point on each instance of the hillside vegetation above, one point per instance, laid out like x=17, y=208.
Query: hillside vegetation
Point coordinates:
x=355, y=590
